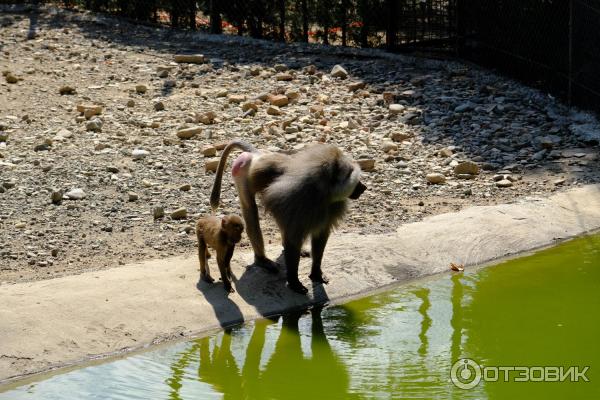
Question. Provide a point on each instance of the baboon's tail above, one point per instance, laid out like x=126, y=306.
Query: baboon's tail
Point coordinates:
x=215, y=195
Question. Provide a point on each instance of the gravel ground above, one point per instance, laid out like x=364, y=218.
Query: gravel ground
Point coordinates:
x=102, y=131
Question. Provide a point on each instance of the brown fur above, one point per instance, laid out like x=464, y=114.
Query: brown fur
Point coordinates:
x=221, y=234
x=305, y=192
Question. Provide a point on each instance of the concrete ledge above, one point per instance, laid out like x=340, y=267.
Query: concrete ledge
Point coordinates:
x=59, y=322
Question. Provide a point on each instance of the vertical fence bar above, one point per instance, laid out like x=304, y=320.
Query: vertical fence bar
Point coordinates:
x=282, y=20
x=344, y=15
x=570, y=90
x=391, y=34
x=215, y=17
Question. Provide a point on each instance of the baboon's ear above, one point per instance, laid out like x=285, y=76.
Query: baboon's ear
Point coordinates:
x=334, y=168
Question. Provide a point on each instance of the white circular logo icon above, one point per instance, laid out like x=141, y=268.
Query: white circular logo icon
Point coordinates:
x=465, y=373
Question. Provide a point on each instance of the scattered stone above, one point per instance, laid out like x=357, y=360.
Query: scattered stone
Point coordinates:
x=132, y=196
x=89, y=110
x=190, y=58
x=292, y=94
x=466, y=167
x=75, y=194
x=209, y=151
x=278, y=100
x=206, y=118
x=56, y=196
x=130, y=103
x=435, y=178
x=284, y=77
x=396, y=108
x=273, y=110
x=445, y=152
x=67, y=90
x=367, y=164
x=249, y=105
x=211, y=165
x=339, y=72
x=159, y=106
x=10, y=78
x=504, y=183
x=559, y=181
x=185, y=188
x=141, y=89
x=9, y=184
x=389, y=146
x=549, y=142
x=354, y=86
x=236, y=98
x=139, y=154
x=158, y=212
x=280, y=67
x=407, y=95
x=42, y=147
x=180, y=213
x=94, y=125
x=461, y=108
x=400, y=136
x=188, y=133
x=3, y=137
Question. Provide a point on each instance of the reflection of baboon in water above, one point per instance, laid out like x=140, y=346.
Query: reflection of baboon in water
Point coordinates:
x=287, y=374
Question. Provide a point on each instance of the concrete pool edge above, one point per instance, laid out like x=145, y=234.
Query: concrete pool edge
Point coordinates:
x=65, y=321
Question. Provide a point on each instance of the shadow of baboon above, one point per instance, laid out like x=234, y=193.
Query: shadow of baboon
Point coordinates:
x=288, y=373
x=269, y=294
x=227, y=312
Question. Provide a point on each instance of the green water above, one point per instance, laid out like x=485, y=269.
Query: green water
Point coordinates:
x=540, y=310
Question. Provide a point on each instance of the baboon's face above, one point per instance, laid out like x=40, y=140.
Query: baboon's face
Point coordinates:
x=234, y=227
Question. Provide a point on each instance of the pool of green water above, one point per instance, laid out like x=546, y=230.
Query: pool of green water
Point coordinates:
x=538, y=311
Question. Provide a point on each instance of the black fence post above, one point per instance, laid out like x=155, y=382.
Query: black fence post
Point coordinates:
x=344, y=20
x=363, y=9
x=304, y=6
x=570, y=71
x=215, y=17
x=282, y=20
x=192, y=14
x=391, y=34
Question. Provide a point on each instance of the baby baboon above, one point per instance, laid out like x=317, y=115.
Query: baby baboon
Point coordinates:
x=221, y=234
x=306, y=193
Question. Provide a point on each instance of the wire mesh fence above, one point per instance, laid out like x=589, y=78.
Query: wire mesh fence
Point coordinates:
x=552, y=44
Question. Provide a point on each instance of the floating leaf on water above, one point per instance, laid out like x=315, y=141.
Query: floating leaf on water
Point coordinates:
x=457, y=267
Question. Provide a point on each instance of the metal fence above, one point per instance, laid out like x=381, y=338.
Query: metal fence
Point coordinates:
x=552, y=44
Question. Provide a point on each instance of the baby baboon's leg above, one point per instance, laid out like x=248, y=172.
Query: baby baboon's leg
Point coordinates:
x=204, y=271
x=224, y=261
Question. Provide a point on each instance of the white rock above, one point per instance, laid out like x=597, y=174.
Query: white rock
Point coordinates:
x=138, y=154
x=339, y=72
x=396, y=108
x=435, y=178
x=75, y=194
